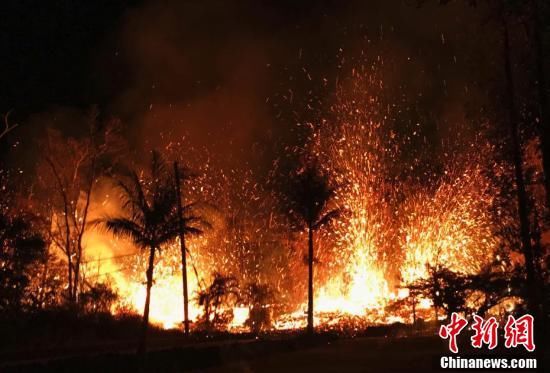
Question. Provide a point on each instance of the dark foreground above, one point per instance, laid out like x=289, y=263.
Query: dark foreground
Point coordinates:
x=418, y=354
x=325, y=353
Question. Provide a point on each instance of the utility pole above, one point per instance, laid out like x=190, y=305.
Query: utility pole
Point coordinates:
x=183, y=251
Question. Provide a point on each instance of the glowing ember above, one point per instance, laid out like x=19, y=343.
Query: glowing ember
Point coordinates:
x=452, y=228
x=393, y=226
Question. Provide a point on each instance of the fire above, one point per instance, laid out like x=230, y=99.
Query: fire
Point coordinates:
x=357, y=156
x=368, y=290
x=240, y=315
x=452, y=227
x=376, y=239
x=394, y=225
x=167, y=299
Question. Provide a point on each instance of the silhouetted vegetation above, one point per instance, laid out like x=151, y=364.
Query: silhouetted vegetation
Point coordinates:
x=308, y=197
x=218, y=300
x=87, y=217
x=20, y=247
x=152, y=220
x=259, y=298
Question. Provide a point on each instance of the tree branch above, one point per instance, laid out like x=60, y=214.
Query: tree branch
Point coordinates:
x=7, y=127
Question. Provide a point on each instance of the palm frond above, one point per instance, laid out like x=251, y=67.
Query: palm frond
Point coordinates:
x=196, y=222
x=150, y=204
x=123, y=227
x=327, y=218
x=309, y=192
x=139, y=192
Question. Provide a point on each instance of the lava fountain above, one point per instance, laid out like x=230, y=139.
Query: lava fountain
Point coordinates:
x=393, y=225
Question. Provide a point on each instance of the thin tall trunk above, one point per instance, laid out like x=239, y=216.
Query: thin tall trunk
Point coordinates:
x=310, y=282
x=67, y=250
x=145, y=321
x=68, y=244
x=183, y=252
x=542, y=98
x=81, y=230
x=523, y=211
x=44, y=278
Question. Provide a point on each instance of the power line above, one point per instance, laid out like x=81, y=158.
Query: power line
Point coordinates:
x=107, y=273
x=109, y=258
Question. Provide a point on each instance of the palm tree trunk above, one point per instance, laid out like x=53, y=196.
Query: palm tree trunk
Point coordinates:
x=183, y=253
x=145, y=322
x=310, y=282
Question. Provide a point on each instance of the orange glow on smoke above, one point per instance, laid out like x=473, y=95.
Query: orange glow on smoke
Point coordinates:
x=387, y=236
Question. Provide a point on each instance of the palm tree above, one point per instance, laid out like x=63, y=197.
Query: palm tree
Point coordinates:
x=309, y=195
x=151, y=221
x=222, y=293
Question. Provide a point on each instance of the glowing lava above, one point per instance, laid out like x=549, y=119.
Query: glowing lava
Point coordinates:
x=393, y=226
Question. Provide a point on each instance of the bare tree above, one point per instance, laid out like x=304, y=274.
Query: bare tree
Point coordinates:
x=7, y=126
x=521, y=193
x=537, y=13
x=68, y=173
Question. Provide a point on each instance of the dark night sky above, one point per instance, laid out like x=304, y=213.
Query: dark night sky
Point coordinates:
x=51, y=49
x=204, y=68
x=48, y=49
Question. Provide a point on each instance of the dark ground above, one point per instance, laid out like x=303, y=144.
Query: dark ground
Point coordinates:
x=420, y=354
x=347, y=355
x=324, y=353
